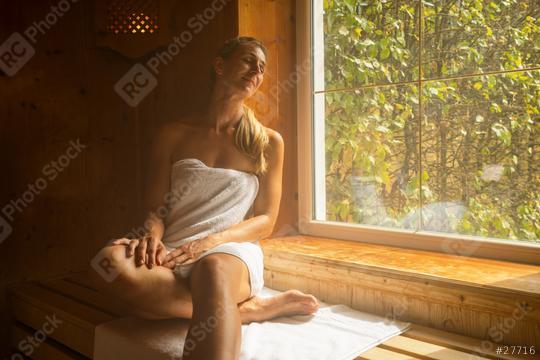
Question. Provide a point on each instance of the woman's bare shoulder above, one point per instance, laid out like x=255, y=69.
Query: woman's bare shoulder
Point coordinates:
x=276, y=147
x=274, y=138
x=175, y=130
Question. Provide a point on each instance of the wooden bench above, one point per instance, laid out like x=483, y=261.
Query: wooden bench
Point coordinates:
x=81, y=308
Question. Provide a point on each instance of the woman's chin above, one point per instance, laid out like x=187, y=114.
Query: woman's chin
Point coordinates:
x=246, y=91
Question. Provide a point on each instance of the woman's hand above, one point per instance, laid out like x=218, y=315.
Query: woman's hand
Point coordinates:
x=188, y=253
x=147, y=250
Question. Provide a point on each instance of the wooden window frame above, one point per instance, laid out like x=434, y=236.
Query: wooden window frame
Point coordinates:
x=458, y=244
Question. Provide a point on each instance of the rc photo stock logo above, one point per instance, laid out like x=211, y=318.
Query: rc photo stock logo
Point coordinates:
x=17, y=49
x=140, y=80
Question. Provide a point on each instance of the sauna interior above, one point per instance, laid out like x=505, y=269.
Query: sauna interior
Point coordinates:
x=411, y=174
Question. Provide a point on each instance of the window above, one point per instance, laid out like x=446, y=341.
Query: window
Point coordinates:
x=420, y=122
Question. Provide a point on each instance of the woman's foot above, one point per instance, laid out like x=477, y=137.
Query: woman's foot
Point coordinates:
x=291, y=302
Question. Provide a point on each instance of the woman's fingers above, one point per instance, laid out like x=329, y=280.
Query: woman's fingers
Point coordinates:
x=160, y=254
x=187, y=261
x=173, y=254
x=151, y=251
x=123, y=241
x=180, y=256
x=140, y=253
x=169, y=265
x=173, y=258
x=132, y=246
x=179, y=260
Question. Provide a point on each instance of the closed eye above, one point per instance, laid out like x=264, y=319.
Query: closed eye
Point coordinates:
x=251, y=60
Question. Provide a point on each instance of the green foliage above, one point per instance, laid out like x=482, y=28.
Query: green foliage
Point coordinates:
x=414, y=121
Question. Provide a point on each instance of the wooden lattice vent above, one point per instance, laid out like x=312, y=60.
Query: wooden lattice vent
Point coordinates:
x=134, y=28
x=133, y=17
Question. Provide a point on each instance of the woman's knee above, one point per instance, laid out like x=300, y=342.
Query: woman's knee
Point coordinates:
x=219, y=275
x=212, y=268
x=111, y=262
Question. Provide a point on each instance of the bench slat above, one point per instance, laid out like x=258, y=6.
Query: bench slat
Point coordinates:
x=31, y=305
x=81, y=278
x=77, y=313
x=383, y=354
x=88, y=296
x=430, y=351
x=457, y=342
x=46, y=350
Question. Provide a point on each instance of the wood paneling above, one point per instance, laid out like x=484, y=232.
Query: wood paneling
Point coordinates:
x=272, y=21
x=66, y=92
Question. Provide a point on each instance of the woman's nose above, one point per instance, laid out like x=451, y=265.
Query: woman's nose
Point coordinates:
x=256, y=69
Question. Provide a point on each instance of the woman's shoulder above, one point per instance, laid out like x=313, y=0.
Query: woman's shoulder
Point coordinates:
x=274, y=137
x=177, y=128
x=276, y=145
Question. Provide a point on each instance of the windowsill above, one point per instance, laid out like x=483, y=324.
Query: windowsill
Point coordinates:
x=469, y=296
x=490, y=276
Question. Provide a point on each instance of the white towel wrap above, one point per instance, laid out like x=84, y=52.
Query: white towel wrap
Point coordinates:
x=204, y=200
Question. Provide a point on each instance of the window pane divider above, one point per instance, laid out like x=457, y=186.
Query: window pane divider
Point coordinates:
x=427, y=80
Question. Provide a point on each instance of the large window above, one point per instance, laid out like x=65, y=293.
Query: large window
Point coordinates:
x=424, y=119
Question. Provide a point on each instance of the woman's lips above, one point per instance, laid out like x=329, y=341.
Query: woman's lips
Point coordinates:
x=251, y=81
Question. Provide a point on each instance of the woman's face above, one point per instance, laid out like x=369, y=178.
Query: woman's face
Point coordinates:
x=243, y=71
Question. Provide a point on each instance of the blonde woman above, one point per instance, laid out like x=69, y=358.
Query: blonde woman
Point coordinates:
x=214, y=190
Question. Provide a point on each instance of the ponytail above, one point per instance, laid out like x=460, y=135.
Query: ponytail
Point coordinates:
x=251, y=138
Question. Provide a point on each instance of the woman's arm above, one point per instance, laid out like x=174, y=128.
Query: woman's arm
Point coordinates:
x=265, y=212
x=266, y=204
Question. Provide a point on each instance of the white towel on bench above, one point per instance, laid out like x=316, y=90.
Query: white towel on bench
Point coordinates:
x=335, y=332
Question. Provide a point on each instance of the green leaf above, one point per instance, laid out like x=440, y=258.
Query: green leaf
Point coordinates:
x=385, y=53
x=495, y=108
x=502, y=133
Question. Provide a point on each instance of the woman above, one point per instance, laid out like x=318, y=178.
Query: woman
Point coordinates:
x=210, y=176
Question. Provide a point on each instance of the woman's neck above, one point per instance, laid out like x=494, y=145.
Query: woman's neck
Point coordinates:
x=223, y=111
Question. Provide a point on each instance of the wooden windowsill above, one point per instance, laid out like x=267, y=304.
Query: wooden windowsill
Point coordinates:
x=494, y=301
x=485, y=274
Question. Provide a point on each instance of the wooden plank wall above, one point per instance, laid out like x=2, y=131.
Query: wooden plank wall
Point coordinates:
x=273, y=22
x=65, y=92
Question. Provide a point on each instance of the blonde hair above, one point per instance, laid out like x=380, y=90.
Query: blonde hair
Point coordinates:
x=250, y=135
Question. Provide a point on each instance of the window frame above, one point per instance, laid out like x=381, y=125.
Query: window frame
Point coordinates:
x=455, y=244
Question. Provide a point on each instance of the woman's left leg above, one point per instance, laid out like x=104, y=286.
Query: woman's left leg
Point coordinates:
x=219, y=282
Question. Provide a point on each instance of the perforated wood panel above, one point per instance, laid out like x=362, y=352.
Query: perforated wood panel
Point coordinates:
x=133, y=17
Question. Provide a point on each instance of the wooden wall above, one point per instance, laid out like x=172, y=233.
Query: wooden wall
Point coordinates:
x=66, y=92
x=275, y=105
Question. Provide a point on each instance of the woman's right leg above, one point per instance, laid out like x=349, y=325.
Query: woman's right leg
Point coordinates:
x=150, y=293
